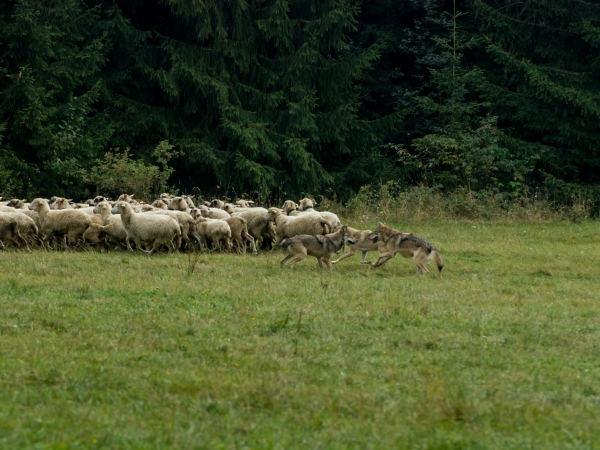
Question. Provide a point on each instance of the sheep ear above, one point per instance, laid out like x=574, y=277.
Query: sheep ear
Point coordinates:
x=24, y=200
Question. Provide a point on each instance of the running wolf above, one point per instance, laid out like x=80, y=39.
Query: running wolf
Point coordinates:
x=408, y=245
x=321, y=247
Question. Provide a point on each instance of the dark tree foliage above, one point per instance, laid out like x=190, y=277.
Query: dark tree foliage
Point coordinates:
x=542, y=79
x=50, y=63
x=260, y=95
x=284, y=97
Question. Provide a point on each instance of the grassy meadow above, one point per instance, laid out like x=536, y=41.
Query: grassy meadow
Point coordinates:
x=227, y=352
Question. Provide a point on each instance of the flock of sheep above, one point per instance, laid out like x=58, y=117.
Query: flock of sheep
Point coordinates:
x=170, y=222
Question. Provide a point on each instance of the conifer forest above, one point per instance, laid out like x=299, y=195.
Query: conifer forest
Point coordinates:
x=274, y=98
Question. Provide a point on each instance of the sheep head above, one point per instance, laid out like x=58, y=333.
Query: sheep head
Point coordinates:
x=307, y=203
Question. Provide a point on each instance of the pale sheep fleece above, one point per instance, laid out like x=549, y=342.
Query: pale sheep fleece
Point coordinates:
x=290, y=226
x=148, y=228
x=116, y=233
x=69, y=223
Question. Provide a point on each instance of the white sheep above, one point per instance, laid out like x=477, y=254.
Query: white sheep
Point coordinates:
x=125, y=198
x=189, y=200
x=28, y=230
x=68, y=223
x=239, y=231
x=159, y=204
x=215, y=230
x=61, y=203
x=244, y=203
x=217, y=203
x=307, y=207
x=290, y=226
x=152, y=229
x=10, y=230
x=259, y=227
x=187, y=222
x=179, y=204
x=116, y=233
x=18, y=204
x=214, y=213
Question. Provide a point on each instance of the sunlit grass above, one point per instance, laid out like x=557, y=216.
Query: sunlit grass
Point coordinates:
x=126, y=351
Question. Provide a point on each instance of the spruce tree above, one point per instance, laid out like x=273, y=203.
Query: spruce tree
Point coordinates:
x=260, y=94
x=50, y=82
x=542, y=80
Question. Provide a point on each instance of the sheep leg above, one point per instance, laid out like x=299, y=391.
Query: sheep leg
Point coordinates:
x=250, y=239
x=16, y=242
x=238, y=245
x=154, y=248
x=138, y=244
x=45, y=243
x=65, y=243
x=187, y=241
x=129, y=244
x=24, y=241
x=198, y=240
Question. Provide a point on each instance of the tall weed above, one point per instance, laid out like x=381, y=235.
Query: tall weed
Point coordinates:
x=389, y=202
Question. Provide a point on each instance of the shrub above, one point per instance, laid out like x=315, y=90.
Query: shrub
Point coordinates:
x=119, y=173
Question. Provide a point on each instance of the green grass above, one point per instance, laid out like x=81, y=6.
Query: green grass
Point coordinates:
x=126, y=351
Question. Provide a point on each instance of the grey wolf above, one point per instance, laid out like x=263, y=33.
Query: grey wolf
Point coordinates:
x=408, y=245
x=319, y=246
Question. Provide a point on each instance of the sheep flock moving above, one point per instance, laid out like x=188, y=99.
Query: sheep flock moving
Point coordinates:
x=171, y=223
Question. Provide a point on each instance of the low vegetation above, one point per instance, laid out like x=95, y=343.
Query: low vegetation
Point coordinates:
x=120, y=350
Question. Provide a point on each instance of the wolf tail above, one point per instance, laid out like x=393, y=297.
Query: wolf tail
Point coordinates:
x=285, y=243
x=438, y=259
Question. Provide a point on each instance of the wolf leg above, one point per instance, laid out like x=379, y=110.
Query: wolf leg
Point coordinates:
x=363, y=257
x=298, y=258
x=347, y=255
x=383, y=258
x=284, y=260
